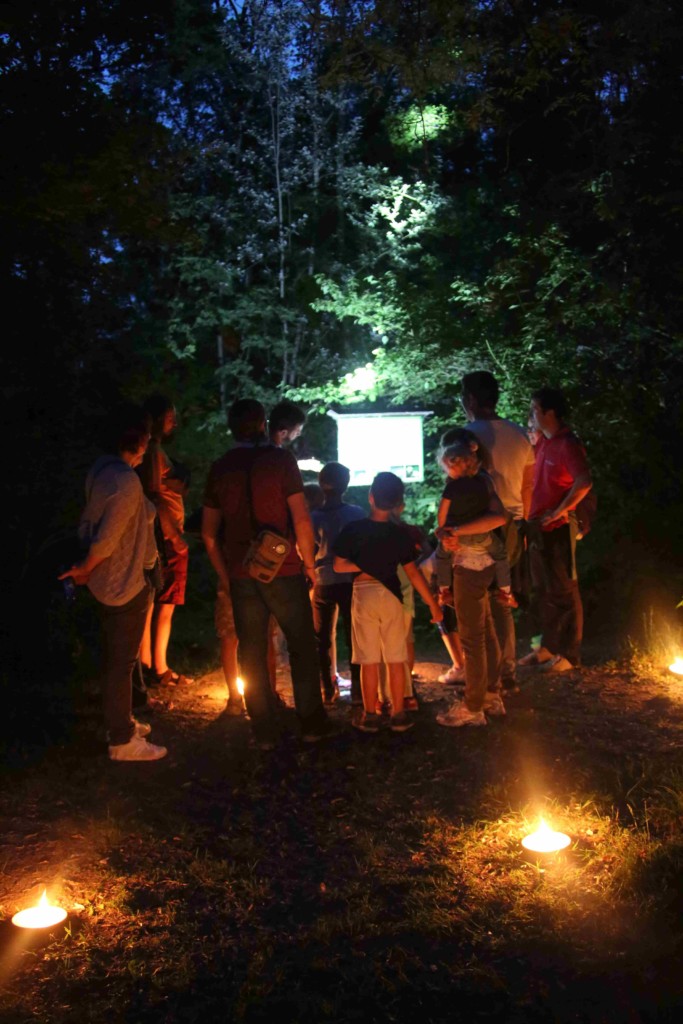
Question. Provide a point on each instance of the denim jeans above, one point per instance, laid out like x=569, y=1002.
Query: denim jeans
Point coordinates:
x=122, y=629
x=287, y=600
x=326, y=599
x=477, y=633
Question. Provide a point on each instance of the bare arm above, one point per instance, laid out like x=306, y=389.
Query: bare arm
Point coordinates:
x=344, y=565
x=527, y=488
x=80, y=573
x=442, y=514
x=211, y=522
x=303, y=529
x=492, y=518
x=420, y=584
x=578, y=491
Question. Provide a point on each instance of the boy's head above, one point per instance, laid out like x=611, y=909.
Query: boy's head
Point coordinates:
x=460, y=459
x=334, y=477
x=387, y=492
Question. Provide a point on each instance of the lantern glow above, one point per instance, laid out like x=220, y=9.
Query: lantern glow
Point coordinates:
x=43, y=915
x=676, y=666
x=545, y=840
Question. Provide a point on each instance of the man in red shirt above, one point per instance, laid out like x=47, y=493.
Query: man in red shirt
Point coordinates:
x=561, y=480
x=257, y=483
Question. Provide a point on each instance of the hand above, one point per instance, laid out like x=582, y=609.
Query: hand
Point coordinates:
x=77, y=575
x=180, y=544
x=551, y=517
x=446, y=596
x=437, y=613
x=450, y=542
x=310, y=574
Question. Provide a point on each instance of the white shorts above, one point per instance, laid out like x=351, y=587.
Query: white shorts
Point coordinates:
x=377, y=625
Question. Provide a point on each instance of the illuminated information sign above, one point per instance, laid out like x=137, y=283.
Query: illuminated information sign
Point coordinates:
x=371, y=443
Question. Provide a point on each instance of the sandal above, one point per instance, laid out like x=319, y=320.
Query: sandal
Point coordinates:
x=171, y=678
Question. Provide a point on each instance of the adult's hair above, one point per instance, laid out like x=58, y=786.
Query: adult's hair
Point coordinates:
x=334, y=477
x=157, y=406
x=286, y=416
x=246, y=419
x=387, y=491
x=465, y=437
x=125, y=429
x=551, y=398
x=483, y=387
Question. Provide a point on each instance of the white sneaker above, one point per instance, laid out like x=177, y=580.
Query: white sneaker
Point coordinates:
x=453, y=675
x=137, y=749
x=141, y=729
x=459, y=714
x=493, y=705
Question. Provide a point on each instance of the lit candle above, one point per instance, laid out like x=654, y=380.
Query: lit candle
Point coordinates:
x=240, y=686
x=44, y=915
x=677, y=666
x=545, y=840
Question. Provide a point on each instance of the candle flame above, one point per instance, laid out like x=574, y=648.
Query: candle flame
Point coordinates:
x=240, y=686
x=677, y=666
x=545, y=839
x=43, y=915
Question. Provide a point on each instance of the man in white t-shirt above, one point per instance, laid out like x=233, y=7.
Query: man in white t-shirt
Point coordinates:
x=511, y=467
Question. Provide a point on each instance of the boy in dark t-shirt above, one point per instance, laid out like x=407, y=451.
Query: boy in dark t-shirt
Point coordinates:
x=374, y=548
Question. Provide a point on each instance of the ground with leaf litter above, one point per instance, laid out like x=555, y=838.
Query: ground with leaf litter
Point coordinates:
x=365, y=879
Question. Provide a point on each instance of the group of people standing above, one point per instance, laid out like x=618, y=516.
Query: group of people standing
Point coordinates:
x=502, y=495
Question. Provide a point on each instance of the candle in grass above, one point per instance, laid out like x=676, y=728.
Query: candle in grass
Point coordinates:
x=545, y=841
x=43, y=915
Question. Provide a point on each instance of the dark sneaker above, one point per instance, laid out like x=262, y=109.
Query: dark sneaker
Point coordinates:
x=401, y=722
x=320, y=732
x=367, y=722
x=493, y=705
x=458, y=715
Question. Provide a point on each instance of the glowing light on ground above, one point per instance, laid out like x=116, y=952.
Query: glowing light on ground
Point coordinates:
x=240, y=686
x=676, y=666
x=545, y=840
x=43, y=915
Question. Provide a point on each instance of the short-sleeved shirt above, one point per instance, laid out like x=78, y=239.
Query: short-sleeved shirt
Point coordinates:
x=469, y=496
x=510, y=453
x=328, y=522
x=275, y=477
x=559, y=461
x=377, y=549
